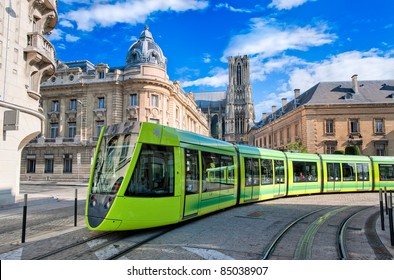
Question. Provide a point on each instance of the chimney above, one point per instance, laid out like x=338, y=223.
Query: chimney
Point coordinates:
x=273, y=109
x=355, y=83
x=284, y=102
x=264, y=116
x=296, y=93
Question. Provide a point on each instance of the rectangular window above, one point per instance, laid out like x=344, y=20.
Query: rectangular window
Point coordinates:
x=154, y=100
x=329, y=129
x=133, y=100
x=378, y=126
x=354, y=126
x=362, y=172
x=266, y=172
x=73, y=104
x=330, y=149
x=101, y=75
x=99, y=126
x=72, y=129
x=252, y=173
x=101, y=103
x=55, y=106
x=348, y=172
x=386, y=172
x=31, y=165
x=333, y=172
x=153, y=174
x=67, y=163
x=279, y=166
x=380, y=149
x=54, y=130
x=192, y=182
x=48, y=165
x=305, y=171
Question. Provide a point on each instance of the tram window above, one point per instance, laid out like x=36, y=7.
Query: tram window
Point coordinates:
x=279, y=171
x=153, y=174
x=210, y=166
x=362, y=172
x=227, y=172
x=333, y=172
x=192, y=172
x=252, y=176
x=217, y=172
x=305, y=171
x=266, y=172
x=386, y=172
x=348, y=172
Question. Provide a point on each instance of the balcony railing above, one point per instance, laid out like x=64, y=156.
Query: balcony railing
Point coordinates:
x=39, y=44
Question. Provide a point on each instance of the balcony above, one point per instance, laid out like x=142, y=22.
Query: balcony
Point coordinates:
x=40, y=49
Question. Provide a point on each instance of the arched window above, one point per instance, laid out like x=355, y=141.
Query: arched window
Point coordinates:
x=239, y=79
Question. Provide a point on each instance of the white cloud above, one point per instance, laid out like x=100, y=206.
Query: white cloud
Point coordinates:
x=66, y=23
x=71, y=38
x=370, y=65
x=270, y=38
x=286, y=4
x=231, y=8
x=206, y=58
x=218, y=78
x=56, y=35
x=130, y=11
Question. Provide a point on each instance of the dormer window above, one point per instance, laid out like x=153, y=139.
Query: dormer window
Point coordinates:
x=101, y=75
x=348, y=96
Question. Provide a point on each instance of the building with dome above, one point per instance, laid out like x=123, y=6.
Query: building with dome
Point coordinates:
x=82, y=97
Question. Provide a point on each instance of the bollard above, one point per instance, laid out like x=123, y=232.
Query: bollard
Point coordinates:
x=381, y=208
x=24, y=218
x=385, y=200
x=391, y=219
x=75, y=207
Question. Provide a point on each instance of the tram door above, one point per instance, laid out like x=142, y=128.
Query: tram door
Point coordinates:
x=279, y=185
x=362, y=176
x=252, y=179
x=333, y=176
x=192, y=183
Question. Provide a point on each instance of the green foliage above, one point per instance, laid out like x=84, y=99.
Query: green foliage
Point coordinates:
x=297, y=147
x=352, y=150
x=339, y=152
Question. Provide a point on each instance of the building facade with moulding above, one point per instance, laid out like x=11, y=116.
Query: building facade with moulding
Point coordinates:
x=82, y=97
x=331, y=116
x=26, y=59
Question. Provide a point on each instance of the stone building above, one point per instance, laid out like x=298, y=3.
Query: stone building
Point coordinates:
x=26, y=59
x=331, y=116
x=81, y=98
x=231, y=113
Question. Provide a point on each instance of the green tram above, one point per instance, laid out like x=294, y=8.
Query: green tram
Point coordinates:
x=147, y=175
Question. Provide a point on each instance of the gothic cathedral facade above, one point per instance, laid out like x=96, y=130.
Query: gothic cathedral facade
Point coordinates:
x=239, y=104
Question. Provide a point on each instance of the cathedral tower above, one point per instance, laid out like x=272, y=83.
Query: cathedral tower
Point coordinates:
x=239, y=105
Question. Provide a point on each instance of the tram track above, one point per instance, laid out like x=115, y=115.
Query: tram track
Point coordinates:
x=331, y=225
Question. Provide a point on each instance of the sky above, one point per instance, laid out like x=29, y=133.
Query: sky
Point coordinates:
x=290, y=43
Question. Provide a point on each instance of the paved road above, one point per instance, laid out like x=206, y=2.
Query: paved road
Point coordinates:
x=238, y=233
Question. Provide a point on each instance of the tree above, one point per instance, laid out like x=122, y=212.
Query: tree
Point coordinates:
x=297, y=147
x=352, y=150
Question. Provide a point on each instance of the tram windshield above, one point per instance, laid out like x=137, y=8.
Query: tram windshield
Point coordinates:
x=112, y=161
